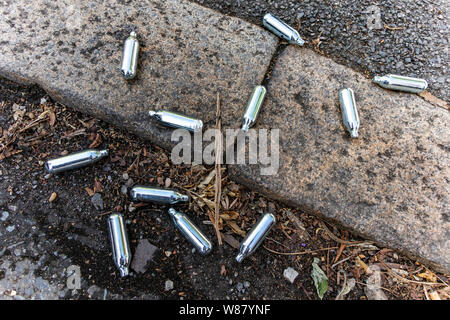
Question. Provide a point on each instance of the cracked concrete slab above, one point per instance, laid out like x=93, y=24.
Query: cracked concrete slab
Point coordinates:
x=390, y=185
x=188, y=53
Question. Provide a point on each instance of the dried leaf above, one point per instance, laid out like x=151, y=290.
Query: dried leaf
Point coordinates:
x=88, y=124
x=89, y=191
x=73, y=133
x=235, y=228
x=98, y=186
x=428, y=275
x=52, y=118
x=346, y=288
x=97, y=141
x=207, y=180
x=209, y=203
x=223, y=270
x=92, y=136
x=434, y=296
x=229, y=215
x=228, y=238
x=360, y=263
x=319, y=278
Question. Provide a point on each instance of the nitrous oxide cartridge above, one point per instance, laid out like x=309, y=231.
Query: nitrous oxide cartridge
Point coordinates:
x=401, y=83
x=177, y=120
x=152, y=194
x=255, y=237
x=119, y=242
x=75, y=160
x=130, y=56
x=253, y=107
x=282, y=30
x=190, y=231
x=349, y=111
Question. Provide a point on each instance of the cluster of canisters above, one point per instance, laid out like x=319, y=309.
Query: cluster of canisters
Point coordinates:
x=347, y=101
x=116, y=226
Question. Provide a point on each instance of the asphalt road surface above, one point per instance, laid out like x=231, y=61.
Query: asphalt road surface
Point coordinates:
x=407, y=37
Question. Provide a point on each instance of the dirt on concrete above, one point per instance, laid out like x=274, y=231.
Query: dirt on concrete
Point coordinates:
x=40, y=238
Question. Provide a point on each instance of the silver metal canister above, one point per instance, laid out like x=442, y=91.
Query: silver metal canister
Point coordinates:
x=177, y=120
x=130, y=56
x=401, y=83
x=282, y=30
x=190, y=231
x=119, y=243
x=152, y=194
x=75, y=160
x=255, y=237
x=349, y=111
x=253, y=107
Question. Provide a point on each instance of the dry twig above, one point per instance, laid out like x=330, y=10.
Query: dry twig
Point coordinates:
x=298, y=253
x=332, y=236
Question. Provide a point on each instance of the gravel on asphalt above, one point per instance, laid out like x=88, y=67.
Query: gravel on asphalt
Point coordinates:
x=402, y=37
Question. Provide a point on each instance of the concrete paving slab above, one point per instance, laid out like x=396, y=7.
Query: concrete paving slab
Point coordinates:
x=390, y=185
x=188, y=53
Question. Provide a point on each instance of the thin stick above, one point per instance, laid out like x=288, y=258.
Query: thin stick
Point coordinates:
x=343, y=260
x=393, y=28
x=218, y=182
x=297, y=253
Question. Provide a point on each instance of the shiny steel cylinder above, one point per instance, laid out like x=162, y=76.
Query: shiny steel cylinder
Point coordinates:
x=401, y=83
x=282, y=30
x=349, y=111
x=177, y=120
x=75, y=160
x=256, y=236
x=253, y=107
x=119, y=243
x=130, y=56
x=190, y=231
x=151, y=194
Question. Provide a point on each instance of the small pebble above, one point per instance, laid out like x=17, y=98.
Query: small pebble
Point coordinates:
x=5, y=215
x=169, y=285
x=290, y=274
x=12, y=208
x=97, y=201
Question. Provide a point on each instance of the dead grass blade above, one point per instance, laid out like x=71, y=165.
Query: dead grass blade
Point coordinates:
x=298, y=253
x=332, y=236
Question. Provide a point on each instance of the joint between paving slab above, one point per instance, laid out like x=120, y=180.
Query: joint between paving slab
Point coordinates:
x=278, y=51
